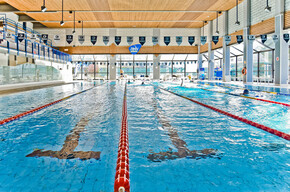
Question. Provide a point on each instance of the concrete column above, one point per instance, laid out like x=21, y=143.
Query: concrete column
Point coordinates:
x=113, y=67
x=199, y=62
x=210, y=52
x=248, y=44
x=156, y=67
x=281, y=66
x=226, y=51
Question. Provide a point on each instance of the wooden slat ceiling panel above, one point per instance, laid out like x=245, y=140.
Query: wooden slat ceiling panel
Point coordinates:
x=176, y=19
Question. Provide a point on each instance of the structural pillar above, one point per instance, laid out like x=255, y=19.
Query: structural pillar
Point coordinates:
x=113, y=67
x=281, y=66
x=199, y=62
x=210, y=52
x=156, y=67
x=248, y=44
x=226, y=51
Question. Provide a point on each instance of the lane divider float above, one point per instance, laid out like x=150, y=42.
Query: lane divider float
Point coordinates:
x=122, y=179
x=254, y=98
x=252, y=123
x=15, y=117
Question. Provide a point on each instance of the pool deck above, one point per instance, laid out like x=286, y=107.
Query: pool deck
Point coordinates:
x=21, y=87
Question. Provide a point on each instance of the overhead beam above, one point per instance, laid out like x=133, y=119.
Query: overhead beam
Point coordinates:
x=38, y=25
x=113, y=49
x=120, y=21
x=122, y=11
x=7, y=8
x=26, y=18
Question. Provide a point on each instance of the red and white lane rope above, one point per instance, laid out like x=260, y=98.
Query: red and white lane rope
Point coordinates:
x=122, y=181
x=257, y=125
x=15, y=117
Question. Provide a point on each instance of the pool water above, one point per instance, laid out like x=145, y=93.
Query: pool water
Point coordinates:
x=221, y=154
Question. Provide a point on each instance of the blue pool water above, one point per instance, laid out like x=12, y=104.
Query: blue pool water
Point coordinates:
x=245, y=159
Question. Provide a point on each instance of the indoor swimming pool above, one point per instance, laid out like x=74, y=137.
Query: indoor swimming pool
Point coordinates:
x=174, y=144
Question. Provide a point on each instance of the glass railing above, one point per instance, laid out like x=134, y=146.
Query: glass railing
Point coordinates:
x=28, y=72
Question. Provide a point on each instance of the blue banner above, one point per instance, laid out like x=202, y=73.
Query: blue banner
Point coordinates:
x=142, y=40
x=215, y=39
x=178, y=40
x=263, y=38
x=129, y=40
x=118, y=40
x=191, y=40
x=240, y=39
x=167, y=40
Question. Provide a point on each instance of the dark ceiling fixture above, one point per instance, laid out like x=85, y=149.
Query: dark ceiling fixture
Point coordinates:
x=268, y=8
x=62, y=22
x=74, y=31
x=237, y=13
x=217, y=22
x=204, y=22
x=43, y=8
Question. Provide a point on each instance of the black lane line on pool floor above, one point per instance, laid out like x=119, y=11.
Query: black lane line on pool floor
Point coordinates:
x=281, y=134
x=70, y=143
x=15, y=117
x=181, y=145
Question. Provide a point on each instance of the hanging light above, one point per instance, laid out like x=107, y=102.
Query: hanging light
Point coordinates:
x=74, y=31
x=268, y=8
x=43, y=8
x=237, y=13
x=217, y=22
x=62, y=22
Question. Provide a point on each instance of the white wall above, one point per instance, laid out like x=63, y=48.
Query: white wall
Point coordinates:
x=232, y=18
x=3, y=59
x=258, y=13
x=287, y=5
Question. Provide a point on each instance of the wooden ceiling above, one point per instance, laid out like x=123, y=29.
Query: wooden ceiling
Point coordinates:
x=164, y=13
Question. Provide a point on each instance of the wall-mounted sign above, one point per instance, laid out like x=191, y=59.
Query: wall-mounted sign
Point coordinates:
x=167, y=40
x=191, y=40
x=134, y=49
x=44, y=38
x=94, y=39
x=129, y=40
x=240, y=39
x=69, y=39
x=251, y=37
x=203, y=40
x=286, y=37
x=106, y=39
x=228, y=39
x=8, y=35
x=178, y=40
x=155, y=40
x=56, y=38
x=275, y=38
x=118, y=40
x=21, y=37
x=215, y=39
x=263, y=38
x=33, y=36
x=81, y=39
x=142, y=40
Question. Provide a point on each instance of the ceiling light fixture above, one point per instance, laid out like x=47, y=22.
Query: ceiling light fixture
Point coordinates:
x=217, y=23
x=268, y=8
x=237, y=13
x=74, y=31
x=43, y=8
x=62, y=22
